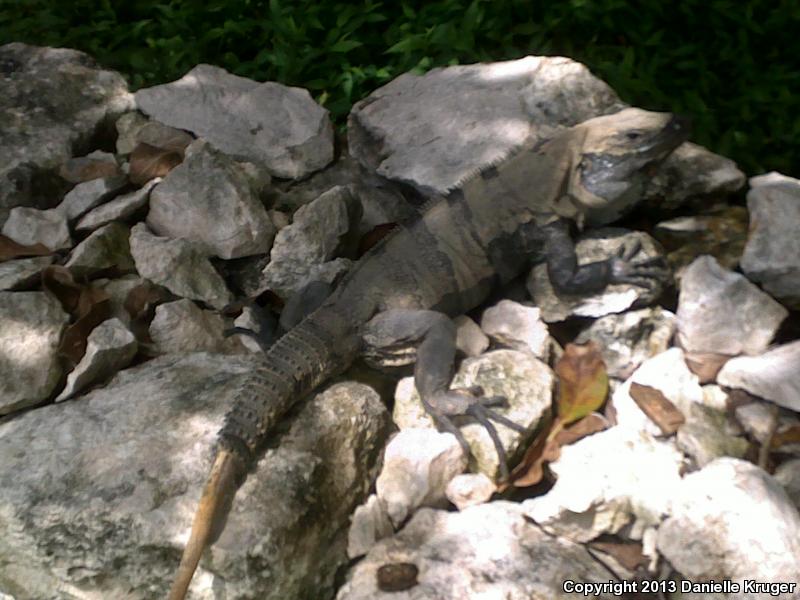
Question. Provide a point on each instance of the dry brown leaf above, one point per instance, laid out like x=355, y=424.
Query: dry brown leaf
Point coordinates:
x=59, y=281
x=140, y=304
x=148, y=162
x=9, y=249
x=530, y=469
x=89, y=307
x=583, y=382
x=588, y=425
x=78, y=170
x=705, y=365
x=628, y=554
x=583, y=386
x=657, y=407
x=373, y=236
x=784, y=437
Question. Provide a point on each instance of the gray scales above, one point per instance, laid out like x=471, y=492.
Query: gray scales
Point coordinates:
x=446, y=262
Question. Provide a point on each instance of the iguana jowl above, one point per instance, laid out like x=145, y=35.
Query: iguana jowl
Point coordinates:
x=444, y=264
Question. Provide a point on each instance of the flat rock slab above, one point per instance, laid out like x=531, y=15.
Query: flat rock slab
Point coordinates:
x=97, y=494
x=53, y=101
x=268, y=123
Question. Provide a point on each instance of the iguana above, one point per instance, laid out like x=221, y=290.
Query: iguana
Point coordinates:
x=443, y=264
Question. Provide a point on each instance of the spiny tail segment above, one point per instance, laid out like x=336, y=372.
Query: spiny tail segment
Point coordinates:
x=322, y=345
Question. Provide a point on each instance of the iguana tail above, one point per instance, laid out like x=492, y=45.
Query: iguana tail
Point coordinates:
x=322, y=345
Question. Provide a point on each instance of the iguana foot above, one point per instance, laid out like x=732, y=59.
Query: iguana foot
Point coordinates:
x=646, y=273
x=443, y=406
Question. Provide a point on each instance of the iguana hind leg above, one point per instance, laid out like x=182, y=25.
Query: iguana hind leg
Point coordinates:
x=434, y=334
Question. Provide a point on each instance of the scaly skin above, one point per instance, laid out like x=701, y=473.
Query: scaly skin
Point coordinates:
x=444, y=264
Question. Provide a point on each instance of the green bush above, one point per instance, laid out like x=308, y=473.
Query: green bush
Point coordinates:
x=734, y=65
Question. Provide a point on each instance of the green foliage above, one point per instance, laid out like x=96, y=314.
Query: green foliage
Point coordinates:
x=734, y=65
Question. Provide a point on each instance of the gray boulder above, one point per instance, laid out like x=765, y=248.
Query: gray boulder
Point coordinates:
x=267, y=123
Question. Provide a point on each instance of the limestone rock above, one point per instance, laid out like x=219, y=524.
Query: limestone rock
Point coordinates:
x=109, y=348
x=105, y=248
x=731, y=520
x=85, y=196
x=773, y=375
x=720, y=311
x=307, y=249
x=772, y=254
x=518, y=327
x=179, y=265
x=213, y=201
x=29, y=226
x=54, y=100
x=31, y=324
x=22, y=272
x=118, y=209
x=182, y=326
x=486, y=551
x=97, y=494
x=627, y=339
x=417, y=466
x=267, y=123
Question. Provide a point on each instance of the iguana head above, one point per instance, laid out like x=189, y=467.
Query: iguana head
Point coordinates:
x=612, y=162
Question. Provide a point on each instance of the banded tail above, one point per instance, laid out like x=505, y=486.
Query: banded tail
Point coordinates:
x=321, y=346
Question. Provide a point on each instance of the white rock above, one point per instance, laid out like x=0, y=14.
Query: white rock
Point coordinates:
x=731, y=520
x=418, y=465
x=469, y=489
x=607, y=480
x=774, y=375
x=722, y=312
x=370, y=524
x=517, y=326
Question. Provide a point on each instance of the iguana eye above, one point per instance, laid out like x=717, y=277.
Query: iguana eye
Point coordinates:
x=633, y=135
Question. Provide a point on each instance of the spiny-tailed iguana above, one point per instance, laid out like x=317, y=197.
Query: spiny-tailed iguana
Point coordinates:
x=443, y=264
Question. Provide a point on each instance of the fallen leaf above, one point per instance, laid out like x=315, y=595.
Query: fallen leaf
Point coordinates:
x=591, y=423
x=148, y=162
x=89, y=306
x=705, y=365
x=78, y=170
x=789, y=435
x=628, y=554
x=530, y=469
x=657, y=407
x=140, y=304
x=9, y=249
x=583, y=382
x=373, y=236
x=582, y=389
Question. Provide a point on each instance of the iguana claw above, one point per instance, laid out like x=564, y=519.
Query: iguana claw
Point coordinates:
x=470, y=402
x=646, y=273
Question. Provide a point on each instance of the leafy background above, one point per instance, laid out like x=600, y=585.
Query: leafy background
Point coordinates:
x=733, y=65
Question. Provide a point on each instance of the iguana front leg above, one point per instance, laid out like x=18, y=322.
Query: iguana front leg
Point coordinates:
x=434, y=334
x=568, y=277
